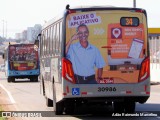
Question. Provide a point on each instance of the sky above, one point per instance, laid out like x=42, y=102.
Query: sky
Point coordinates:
x=20, y=14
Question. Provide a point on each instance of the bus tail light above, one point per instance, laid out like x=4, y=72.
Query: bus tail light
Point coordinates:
x=140, y=11
x=71, y=11
x=145, y=70
x=67, y=70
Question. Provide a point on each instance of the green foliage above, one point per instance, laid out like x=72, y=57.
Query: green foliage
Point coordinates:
x=2, y=118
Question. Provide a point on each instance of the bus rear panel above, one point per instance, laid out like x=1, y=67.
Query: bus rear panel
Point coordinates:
x=23, y=62
x=121, y=37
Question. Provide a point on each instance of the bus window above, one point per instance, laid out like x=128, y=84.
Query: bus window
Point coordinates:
x=57, y=38
x=60, y=39
x=45, y=43
x=41, y=46
x=51, y=40
x=53, y=37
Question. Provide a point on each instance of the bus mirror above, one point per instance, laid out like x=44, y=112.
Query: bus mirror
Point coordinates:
x=36, y=43
x=39, y=37
x=37, y=40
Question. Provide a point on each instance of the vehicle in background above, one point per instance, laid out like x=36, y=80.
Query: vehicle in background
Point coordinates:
x=22, y=61
x=121, y=36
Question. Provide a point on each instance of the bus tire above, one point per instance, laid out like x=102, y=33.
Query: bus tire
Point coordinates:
x=35, y=78
x=43, y=87
x=31, y=79
x=12, y=79
x=130, y=106
x=59, y=108
x=9, y=79
x=49, y=102
x=119, y=107
x=69, y=107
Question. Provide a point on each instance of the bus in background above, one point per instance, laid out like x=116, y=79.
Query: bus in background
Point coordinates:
x=95, y=55
x=22, y=61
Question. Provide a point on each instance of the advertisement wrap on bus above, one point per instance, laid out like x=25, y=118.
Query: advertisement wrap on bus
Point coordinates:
x=121, y=42
x=22, y=61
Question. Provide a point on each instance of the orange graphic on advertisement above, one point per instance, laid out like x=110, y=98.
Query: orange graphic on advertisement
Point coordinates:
x=120, y=40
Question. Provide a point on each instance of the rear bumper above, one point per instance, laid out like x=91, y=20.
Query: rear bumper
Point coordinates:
x=23, y=73
x=139, y=99
x=138, y=92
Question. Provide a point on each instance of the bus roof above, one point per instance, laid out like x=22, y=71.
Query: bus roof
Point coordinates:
x=88, y=8
x=105, y=7
x=85, y=6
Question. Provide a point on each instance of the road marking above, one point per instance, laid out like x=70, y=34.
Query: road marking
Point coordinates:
x=9, y=94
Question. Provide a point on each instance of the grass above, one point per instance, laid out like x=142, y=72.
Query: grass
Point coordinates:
x=1, y=118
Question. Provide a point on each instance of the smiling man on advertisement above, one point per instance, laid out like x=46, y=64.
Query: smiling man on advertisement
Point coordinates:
x=84, y=57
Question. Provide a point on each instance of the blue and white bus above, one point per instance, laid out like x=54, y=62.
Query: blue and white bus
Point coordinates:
x=22, y=61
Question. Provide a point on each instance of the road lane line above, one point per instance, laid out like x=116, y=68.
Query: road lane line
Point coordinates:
x=8, y=93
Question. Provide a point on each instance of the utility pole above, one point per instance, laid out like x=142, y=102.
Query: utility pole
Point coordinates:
x=134, y=3
x=6, y=29
x=3, y=28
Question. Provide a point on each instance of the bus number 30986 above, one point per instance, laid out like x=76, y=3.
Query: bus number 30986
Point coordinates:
x=106, y=89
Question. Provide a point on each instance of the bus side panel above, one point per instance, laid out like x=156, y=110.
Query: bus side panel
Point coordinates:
x=57, y=78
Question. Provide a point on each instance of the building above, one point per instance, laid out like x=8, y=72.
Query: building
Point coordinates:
x=154, y=43
x=30, y=34
x=24, y=35
x=18, y=36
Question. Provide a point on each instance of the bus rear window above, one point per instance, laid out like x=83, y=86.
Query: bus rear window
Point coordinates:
x=129, y=21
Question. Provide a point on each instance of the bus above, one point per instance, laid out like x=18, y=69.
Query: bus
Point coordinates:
x=95, y=55
x=22, y=61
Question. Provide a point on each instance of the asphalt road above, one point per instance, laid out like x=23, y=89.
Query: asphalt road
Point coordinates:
x=25, y=96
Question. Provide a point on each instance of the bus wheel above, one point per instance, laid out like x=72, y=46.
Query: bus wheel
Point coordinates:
x=12, y=79
x=69, y=107
x=9, y=79
x=35, y=78
x=119, y=107
x=49, y=102
x=130, y=106
x=59, y=108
